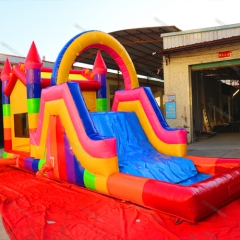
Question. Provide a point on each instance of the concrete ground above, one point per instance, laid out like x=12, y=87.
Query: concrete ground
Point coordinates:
x=3, y=234
x=221, y=145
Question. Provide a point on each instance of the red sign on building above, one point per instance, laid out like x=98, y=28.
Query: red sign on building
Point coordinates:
x=225, y=54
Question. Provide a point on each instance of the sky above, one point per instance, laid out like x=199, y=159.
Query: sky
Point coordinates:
x=51, y=23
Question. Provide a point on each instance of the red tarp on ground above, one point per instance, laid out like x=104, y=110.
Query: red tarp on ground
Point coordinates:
x=34, y=208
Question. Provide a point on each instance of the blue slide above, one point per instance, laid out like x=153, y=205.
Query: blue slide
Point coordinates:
x=137, y=156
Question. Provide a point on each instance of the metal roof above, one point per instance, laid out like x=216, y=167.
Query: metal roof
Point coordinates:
x=17, y=59
x=206, y=37
x=202, y=36
x=144, y=45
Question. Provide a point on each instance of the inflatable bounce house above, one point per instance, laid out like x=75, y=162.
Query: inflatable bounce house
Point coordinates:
x=56, y=125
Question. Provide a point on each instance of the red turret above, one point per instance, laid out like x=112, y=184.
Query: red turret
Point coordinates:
x=33, y=59
x=99, y=66
x=6, y=71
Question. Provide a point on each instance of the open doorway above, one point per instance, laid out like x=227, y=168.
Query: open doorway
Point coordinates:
x=215, y=100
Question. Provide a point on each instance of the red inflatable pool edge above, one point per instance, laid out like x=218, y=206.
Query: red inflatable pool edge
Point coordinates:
x=192, y=203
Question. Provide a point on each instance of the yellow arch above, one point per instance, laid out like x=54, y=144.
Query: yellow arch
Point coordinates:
x=103, y=41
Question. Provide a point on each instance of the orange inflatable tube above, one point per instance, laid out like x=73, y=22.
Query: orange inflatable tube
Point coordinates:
x=8, y=161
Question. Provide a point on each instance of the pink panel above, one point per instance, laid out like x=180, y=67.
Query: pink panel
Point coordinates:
x=104, y=148
x=117, y=58
x=171, y=137
x=99, y=149
x=48, y=154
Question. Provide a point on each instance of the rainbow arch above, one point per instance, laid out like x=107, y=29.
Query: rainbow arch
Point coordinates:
x=102, y=41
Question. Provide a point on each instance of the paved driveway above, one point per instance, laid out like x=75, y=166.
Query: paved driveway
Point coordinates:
x=221, y=145
x=3, y=234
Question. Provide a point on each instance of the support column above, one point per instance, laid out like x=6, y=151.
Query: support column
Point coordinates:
x=220, y=100
x=7, y=132
x=100, y=71
x=33, y=65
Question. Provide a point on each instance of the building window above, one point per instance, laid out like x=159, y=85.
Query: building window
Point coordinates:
x=21, y=125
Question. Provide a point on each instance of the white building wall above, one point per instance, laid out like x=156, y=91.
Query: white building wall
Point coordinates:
x=177, y=79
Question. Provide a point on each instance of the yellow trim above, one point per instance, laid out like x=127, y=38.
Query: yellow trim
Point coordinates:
x=72, y=76
x=101, y=184
x=33, y=120
x=97, y=166
x=7, y=122
x=90, y=100
x=169, y=149
x=21, y=144
x=18, y=99
x=77, y=77
x=46, y=75
x=18, y=105
x=86, y=40
x=10, y=155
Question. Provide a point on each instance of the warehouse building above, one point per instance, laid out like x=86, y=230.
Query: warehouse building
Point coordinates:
x=201, y=79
